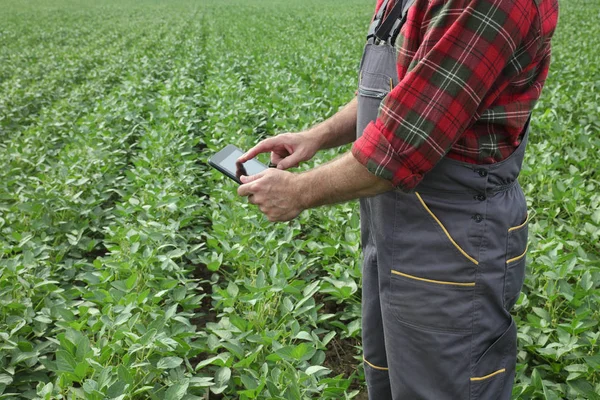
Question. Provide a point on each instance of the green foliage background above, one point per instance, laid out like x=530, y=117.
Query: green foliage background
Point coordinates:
x=129, y=270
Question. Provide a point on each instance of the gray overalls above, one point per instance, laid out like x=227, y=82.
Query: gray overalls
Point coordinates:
x=442, y=266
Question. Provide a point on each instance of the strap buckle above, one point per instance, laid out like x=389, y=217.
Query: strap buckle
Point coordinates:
x=372, y=28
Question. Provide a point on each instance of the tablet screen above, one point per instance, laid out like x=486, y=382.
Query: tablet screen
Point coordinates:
x=250, y=167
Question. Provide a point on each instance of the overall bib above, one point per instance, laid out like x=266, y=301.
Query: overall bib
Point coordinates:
x=442, y=266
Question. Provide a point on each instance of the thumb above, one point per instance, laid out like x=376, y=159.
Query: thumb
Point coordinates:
x=247, y=179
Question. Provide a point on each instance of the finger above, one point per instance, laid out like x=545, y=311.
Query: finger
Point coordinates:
x=289, y=162
x=248, y=179
x=276, y=158
x=251, y=199
x=245, y=190
x=263, y=147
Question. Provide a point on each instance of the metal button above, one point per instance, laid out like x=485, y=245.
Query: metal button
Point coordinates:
x=478, y=218
x=480, y=197
x=482, y=172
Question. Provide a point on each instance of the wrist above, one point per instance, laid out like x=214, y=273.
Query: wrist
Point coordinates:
x=304, y=191
x=319, y=135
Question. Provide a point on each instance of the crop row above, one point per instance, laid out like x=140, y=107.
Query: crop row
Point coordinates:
x=130, y=270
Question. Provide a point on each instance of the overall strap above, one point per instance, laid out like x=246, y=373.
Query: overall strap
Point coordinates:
x=392, y=24
x=400, y=21
x=381, y=10
x=390, y=27
x=377, y=19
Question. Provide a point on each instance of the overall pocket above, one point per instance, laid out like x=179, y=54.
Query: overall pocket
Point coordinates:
x=374, y=85
x=516, y=249
x=432, y=278
x=372, y=89
x=493, y=373
x=432, y=305
x=462, y=225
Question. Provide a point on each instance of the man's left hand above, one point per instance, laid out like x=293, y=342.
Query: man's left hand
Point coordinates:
x=275, y=192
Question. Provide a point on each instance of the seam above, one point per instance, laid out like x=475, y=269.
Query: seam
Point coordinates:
x=479, y=291
x=394, y=248
x=437, y=191
x=514, y=228
x=517, y=258
x=384, y=77
x=432, y=280
x=375, y=366
x=491, y=191
x=464, y=253
x=372, y=92
x=481, y=378
x=423, y=328
x=503, y=188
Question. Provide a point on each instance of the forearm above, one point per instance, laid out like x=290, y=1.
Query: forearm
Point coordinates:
x=340, y=180
x=338, y=130
x=282, y=195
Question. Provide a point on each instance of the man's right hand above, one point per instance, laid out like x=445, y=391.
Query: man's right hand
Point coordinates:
x=287, y=149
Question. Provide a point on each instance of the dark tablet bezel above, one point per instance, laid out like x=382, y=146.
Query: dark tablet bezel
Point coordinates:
x=216, y=159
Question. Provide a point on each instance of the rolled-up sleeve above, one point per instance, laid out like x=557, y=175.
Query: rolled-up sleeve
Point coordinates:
x=464, y=48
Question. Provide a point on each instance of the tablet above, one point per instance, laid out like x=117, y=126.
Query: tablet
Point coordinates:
x=225, y=161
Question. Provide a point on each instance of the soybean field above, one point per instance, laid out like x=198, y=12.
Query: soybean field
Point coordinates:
x=129, y=269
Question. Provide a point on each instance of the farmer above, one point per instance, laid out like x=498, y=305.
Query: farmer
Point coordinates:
x=439, y=124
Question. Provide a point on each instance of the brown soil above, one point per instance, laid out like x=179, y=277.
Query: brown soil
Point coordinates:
x=340, y=357
x=204, y=312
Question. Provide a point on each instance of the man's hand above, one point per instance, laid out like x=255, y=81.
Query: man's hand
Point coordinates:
x=274, y=192
x=287, y=149
x=290, y=149
x=281, y=195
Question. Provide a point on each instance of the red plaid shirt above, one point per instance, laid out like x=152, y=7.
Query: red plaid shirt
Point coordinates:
x=470, y=72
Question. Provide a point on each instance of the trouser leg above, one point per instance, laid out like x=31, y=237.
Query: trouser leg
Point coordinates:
x=374, y=352
x=447, y=333
x=435, y=364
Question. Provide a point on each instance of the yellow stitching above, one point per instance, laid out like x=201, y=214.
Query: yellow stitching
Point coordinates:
x=474, y=261
x=489, y=376
x=391, y=85
x=375, y=366
x=519, y=257
x=434, y=281
x=514, y=228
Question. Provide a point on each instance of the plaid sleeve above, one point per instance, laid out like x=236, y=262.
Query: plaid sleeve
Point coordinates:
x=459, y=48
